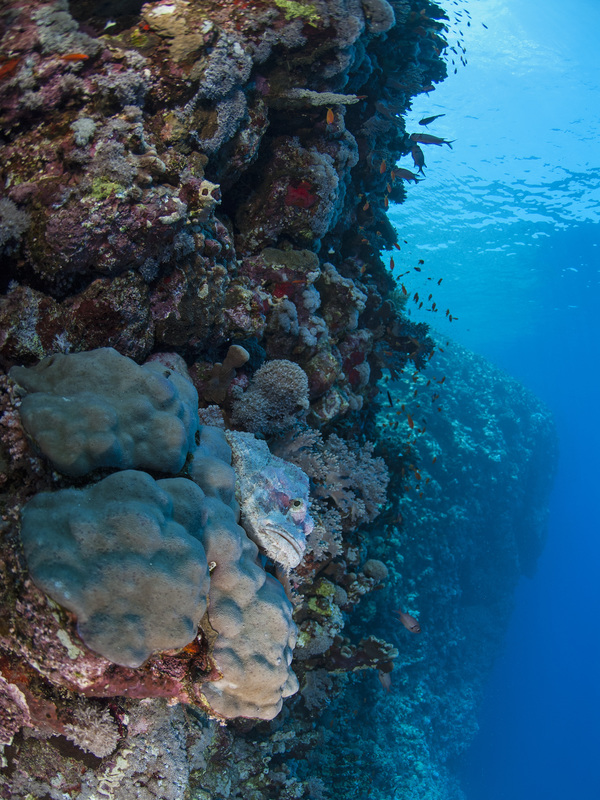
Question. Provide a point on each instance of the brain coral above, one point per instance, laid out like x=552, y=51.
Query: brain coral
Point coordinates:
x=276, y=399
x=100, y=409
x=121, y=555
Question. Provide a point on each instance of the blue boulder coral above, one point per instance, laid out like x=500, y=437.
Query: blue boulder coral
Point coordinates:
x=123, y=557
x=100, y=409
x=127, y=555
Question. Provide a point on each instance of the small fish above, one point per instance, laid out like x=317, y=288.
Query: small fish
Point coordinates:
x=440, y=281
x=411, y=423
x=418, y=157
x=404, y=291
x=434, y=459
x=396, y=245
x=385, y=678
x=392, y=265
x=74, y=57
x=417, y=269
x=330, y=117
x=416, y=297
x=427, y=138
x=386, y=202
x=443, y=379
x=389, y=396
x=428, y=120
x=382, y=167
x=406, y=174
x=366, y=206
x=9, y=67
x=409, y=622
x=421, y=261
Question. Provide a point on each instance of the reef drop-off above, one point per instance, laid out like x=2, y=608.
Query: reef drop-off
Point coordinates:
x=194, y=205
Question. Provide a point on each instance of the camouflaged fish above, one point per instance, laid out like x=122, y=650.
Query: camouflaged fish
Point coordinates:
x=273, y=498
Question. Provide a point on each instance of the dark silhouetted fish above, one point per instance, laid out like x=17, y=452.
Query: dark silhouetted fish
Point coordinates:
x=418, y=158
x=427, y=120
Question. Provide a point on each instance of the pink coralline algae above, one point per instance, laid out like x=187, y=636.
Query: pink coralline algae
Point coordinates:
x=300, y=195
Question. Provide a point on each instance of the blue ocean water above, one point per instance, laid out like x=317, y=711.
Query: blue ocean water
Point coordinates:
x=509, y=218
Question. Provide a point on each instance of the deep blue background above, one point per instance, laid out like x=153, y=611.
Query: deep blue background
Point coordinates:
x=539, y=735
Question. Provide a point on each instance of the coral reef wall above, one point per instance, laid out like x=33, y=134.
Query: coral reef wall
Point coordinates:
x=193, y=206
x=468, y=518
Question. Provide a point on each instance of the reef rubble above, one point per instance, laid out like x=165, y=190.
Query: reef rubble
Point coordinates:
x=193, y=228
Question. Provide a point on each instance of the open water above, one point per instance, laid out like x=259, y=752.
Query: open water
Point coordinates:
x=509, y=217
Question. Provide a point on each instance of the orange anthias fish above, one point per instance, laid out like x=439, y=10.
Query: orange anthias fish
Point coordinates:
x=409, y=622
x=9, y=67
x=330, y=117
x=75, y=57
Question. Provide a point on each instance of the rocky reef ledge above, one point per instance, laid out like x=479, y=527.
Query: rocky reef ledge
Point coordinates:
x=260, y=530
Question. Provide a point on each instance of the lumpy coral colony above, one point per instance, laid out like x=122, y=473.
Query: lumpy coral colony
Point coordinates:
x=195, y=323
